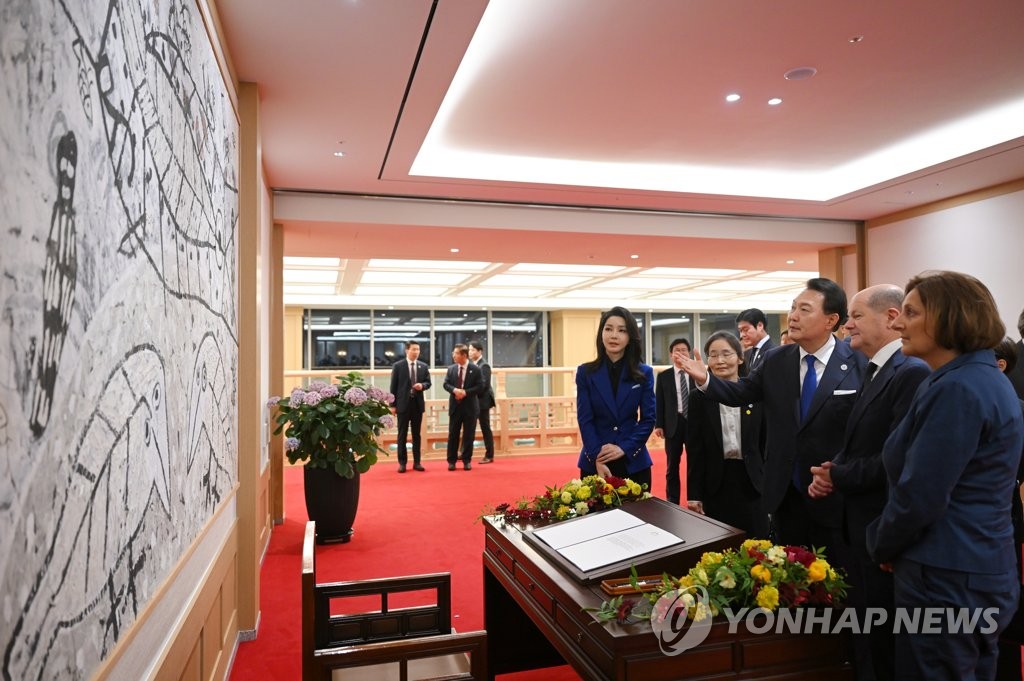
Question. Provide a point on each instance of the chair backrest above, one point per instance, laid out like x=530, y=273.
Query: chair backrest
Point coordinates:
x=401, y=636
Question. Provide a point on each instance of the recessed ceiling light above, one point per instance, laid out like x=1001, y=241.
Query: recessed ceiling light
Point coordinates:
x=790, y=262
x=800, y=73
x=856, y=39
x=339, y=154
x=454, y=250
x=775, y=101
x=634, y=256
x=732, y=97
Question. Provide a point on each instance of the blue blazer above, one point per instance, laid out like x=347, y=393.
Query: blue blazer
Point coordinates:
x=625, y=418
x=952, y=468
x=775, y=382
x=857, y=470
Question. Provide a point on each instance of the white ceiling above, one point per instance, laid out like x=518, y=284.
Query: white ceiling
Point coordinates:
x=618, y=105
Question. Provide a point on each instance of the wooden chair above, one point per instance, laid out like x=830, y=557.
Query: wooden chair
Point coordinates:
x=389, y=643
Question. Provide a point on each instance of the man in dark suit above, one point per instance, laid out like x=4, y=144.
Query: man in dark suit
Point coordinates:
x=486, y=399
x=671, y=392
x=464, y=381
x=890, y=382
x=808, y=389
x=1016, y=375
x=409, y=378
x=754, y=336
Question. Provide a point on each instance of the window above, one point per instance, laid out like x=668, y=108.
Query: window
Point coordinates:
x=392, y=328
x=452, y=327
x=336, y=338
x=665, y=328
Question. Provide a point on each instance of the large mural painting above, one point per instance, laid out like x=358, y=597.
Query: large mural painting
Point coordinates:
x=118, y=348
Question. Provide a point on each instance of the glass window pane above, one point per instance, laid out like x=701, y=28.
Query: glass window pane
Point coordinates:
x=340, y=338
x=452, y=327
x=710, y=322
x=518, y=339
x=665, y=328
x=392, y=328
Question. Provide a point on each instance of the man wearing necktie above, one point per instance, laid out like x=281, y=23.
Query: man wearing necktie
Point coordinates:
x=751, y=325
x=408, y=381
x=890, y=382
x=671, y=393
x=464, y=381
x=805, y=415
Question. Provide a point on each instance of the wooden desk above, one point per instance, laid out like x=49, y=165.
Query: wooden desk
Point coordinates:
x=533, y=616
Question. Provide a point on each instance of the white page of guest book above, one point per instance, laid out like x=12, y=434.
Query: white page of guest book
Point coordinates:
x=605, y=538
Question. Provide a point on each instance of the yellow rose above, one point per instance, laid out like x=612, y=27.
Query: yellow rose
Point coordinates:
x=757, y=544
x=686, y=581
x=635, y=488
x=623, y=491
x=566, y=497
x=561, y=511
x=607, y=499
x=583, y=493
x=768, y=597
x=817, y=570
x=762, y=573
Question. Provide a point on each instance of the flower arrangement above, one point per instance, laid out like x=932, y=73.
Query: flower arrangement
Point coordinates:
x=758, y=575
x=574, y=498
x=334, y=426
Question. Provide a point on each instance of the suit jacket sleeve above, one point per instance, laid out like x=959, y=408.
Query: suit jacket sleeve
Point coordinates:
x=585, y=415
x=696, y=446
x=737, y=393
x=866, y=471
x=941, y=439
x=451, y=377
x=425, y=381
x=633, y=440
x=659, y=399
x=394, y=380
x=474, y=383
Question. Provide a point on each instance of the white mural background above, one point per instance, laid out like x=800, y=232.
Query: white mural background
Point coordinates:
x=118, y=348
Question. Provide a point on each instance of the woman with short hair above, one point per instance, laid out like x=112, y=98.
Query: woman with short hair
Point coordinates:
x=951, y=465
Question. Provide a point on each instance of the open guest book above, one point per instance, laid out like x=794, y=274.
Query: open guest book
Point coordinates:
x=605, y=538
x=652, y=535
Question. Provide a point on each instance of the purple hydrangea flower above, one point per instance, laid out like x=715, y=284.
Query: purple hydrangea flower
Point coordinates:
x=355, y=396
x=329, y=391
x=273, y=401
x=298, y=394
x=387, y=421
x=389, y=398
x=316, y=386
x=312, y=399
x=376, y=393
x=291, y=444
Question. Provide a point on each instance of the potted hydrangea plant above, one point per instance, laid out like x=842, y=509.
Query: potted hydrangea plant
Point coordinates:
x=334, y=429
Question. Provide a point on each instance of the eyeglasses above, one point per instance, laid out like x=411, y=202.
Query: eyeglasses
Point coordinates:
x=721, y=355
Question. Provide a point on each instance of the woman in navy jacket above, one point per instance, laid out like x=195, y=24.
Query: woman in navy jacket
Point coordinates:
x=615, y=402
x=945, y=531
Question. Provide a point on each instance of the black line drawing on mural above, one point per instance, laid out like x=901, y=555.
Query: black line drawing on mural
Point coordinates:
x=120, y=475
x=188, y=236
x=210, y=422
x=59, y=276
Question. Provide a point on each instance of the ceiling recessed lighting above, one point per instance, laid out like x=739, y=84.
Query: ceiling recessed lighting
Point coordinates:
x=856, y=39
x=339, y=154
x=775, y=101
x=800, y=73
x=634, y=256
x=790, y=262
x=454, y=250
x=732, y=97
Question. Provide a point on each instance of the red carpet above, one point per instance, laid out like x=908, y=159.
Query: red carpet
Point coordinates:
x=407, y=524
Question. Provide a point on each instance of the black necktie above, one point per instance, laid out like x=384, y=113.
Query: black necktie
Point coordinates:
x=684, y=393
x=460, y=375
x=872, y=368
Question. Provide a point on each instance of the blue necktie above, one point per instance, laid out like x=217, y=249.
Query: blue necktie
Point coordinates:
x=810, y=384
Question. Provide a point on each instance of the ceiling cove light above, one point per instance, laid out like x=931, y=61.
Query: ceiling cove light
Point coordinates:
x=944, y=141
x=732, y=97
x=774, y=101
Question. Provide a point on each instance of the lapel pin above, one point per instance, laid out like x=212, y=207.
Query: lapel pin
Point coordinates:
x=843, y=367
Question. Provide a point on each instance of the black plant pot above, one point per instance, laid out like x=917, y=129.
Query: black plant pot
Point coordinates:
x=331, y=501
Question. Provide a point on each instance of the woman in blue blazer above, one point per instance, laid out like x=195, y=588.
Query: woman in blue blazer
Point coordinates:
x=951, y=464
x=615, y=403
